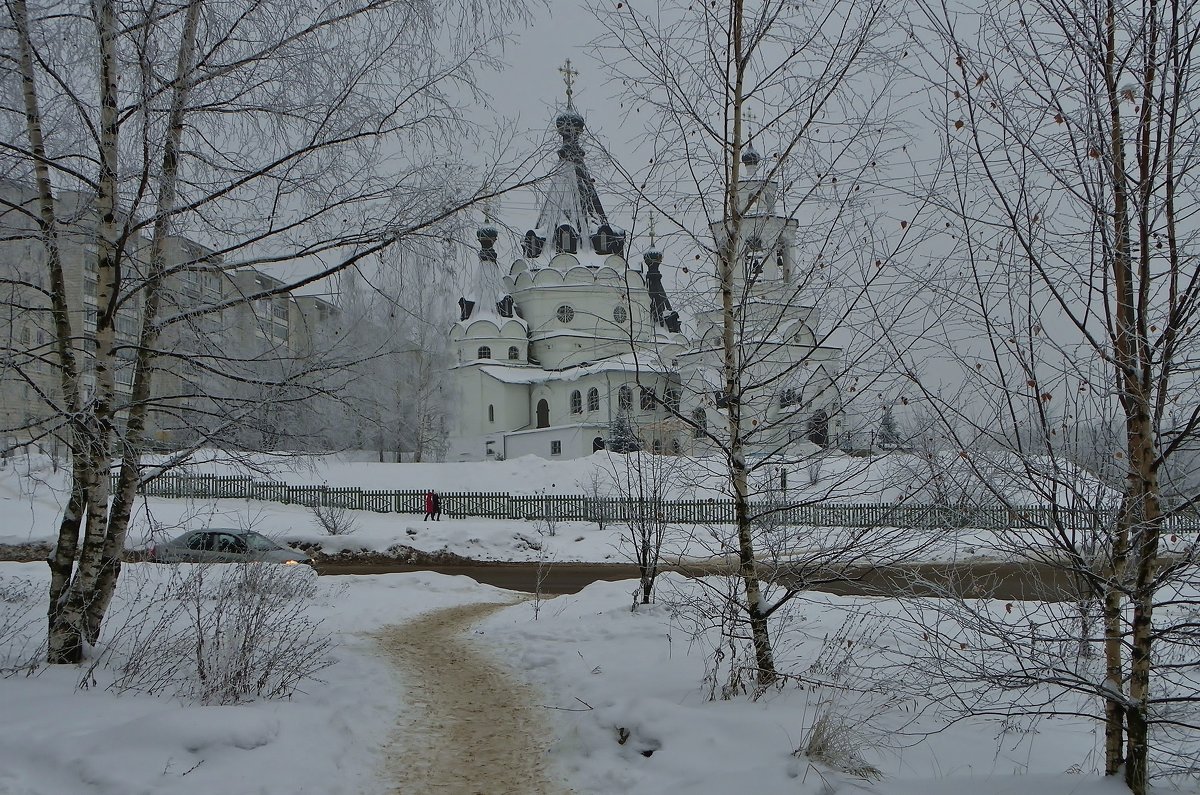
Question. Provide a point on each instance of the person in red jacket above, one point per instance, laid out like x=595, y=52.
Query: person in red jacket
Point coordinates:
x=431, y=504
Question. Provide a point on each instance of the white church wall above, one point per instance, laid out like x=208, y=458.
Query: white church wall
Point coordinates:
x=487, y=406
x=570, y=441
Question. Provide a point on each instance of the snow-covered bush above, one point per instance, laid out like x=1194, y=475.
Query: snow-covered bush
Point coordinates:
x=222, y=635
x=21, y=609
x=334, y=519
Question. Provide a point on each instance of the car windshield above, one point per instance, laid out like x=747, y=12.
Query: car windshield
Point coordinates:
x=259, y=542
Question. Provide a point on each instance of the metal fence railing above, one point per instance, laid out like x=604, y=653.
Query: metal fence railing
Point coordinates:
x=579, y=507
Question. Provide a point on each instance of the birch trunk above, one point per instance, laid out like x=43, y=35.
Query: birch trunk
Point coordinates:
x=730, y=250
x=1114, y=660
x=69, y=630
x=1145, y=541
x=66, y=547
x=135, y=425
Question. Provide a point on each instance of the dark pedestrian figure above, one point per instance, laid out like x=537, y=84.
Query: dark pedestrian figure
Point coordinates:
x=430, y=504
x=437, y=507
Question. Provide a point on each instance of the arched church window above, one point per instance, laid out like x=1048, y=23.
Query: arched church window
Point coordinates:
x=532, y=245
x=491, y=413
x=484, y=352
x=565, y=313
x=672, y=399
x=818, y=428
x=647, y=399
x=701, y=422
x=593, y=399
x=543, y=414
x=619, y=314
x=514, y=353
x=576, y=402
x=625, y=399
x=566, y=239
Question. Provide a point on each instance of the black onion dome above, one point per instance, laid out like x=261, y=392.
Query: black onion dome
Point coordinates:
x=653, y=258
x=487, y=235
x=569, y=123
x=750, y=157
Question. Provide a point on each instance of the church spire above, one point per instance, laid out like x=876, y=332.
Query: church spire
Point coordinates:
x=572, y=212
x=750, y=156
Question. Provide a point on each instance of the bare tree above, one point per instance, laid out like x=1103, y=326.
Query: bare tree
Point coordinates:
x=274, y=134
x=644, y=481
x=1072, y=135
x=801, y=254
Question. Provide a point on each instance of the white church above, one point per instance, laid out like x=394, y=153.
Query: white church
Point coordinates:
x=575, y=346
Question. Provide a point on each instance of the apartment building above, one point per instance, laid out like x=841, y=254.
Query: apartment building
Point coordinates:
x=224, y=351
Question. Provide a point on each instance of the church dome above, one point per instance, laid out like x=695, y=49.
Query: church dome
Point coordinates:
x=487, y=235
x=569, y=123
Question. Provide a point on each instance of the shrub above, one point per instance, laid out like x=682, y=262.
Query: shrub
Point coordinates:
x=223, y=635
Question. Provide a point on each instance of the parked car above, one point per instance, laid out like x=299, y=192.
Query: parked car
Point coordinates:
x=224, y=545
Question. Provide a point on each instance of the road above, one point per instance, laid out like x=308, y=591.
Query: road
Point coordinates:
x=970, y=580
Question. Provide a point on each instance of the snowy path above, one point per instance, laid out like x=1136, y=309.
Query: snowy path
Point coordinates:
x=469, y=728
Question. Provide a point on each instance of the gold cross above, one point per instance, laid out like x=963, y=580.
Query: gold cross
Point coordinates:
x=569, y=75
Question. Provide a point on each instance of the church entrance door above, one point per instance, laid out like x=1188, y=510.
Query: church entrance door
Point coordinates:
x=543, y=414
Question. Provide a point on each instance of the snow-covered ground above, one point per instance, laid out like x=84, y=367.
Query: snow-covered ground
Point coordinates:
x=603, y=671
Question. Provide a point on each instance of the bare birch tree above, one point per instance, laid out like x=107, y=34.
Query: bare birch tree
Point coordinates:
x=1072, y=135
x=805, y=262
x=305, y=138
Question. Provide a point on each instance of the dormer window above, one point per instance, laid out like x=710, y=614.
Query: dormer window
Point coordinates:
x=532, y=245
x=607, y=241
x=566, y=239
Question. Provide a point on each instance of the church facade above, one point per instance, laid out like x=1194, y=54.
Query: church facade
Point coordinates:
x=575, y=347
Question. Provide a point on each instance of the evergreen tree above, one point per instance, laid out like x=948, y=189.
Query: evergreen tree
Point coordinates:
x=889, y=434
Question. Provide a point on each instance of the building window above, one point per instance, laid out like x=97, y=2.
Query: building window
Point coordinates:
x=593, y=399
x=619, y=314
x=818, y=429
x=676, y=447
x=484, y=352
x=565, y=313
x=576, y=402
x=656, y=446
x=566, y=239
x=514, y=353
x=672, y=399
x=700, y=419
x=787, y=397
x=625, y=399
x=556, y=448
x=491, y=413
x=647, y=399
x=543, y=414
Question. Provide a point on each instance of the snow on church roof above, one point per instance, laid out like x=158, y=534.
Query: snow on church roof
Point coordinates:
x=625, y=363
